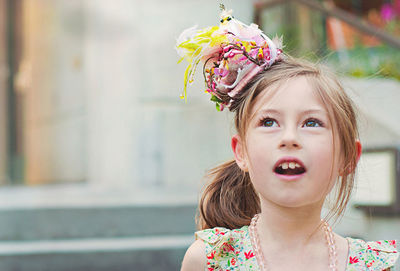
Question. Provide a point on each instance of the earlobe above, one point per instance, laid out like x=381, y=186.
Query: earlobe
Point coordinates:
x=359, y=149
x=348, y=170
x=238, y=151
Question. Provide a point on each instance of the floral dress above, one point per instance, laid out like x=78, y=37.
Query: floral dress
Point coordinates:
x=228, y=250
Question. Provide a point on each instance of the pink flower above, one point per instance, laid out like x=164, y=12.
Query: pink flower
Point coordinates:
x=220, y=71
x=250, y=32
x=387, y=12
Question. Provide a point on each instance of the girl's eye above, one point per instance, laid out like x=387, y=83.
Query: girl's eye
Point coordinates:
x=268, y=122
x=313, y=123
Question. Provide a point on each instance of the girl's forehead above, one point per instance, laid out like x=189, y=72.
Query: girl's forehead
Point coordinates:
x=295, y=94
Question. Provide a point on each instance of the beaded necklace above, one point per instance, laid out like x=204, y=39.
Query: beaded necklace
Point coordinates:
x=255, y=240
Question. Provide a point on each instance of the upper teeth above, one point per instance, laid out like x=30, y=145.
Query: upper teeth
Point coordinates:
x=291, y=165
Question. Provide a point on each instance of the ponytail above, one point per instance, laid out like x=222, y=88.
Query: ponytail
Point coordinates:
x=229, y=200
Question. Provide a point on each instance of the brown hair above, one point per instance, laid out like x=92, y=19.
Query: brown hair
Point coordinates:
x=229, y=200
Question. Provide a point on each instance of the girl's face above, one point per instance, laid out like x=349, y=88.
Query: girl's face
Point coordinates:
x=289, y=147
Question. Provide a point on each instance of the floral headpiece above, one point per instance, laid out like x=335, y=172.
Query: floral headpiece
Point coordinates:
x=231, y=53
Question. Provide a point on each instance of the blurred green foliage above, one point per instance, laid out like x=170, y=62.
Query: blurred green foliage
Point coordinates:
x=311, y=42
x=382, y=61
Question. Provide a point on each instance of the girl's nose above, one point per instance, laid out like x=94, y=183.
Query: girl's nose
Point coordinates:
x=290, y=144
x=290, y=139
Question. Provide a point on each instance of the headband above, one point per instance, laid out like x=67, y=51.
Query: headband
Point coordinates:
x=231, y=54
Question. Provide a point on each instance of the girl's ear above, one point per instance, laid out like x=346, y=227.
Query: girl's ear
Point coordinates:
x=238, y=150
x=359, y=151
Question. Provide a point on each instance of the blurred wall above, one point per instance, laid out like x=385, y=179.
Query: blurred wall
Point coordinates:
x=101, y=88
x=136, y=119
x=51, y=80
x=3, y=91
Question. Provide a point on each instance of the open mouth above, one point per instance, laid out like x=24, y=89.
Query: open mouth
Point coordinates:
x=290, y=168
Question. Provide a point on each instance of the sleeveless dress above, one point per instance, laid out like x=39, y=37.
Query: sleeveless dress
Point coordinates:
x=232, y=250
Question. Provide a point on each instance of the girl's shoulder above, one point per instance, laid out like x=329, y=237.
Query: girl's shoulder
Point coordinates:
x=371, y=255
x=194, y=257
x=228, y=249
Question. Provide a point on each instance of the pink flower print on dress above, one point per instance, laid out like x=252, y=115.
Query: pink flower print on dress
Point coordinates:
x=226, y=248
x=249, y=254
x=353, y=260
x=211, y=256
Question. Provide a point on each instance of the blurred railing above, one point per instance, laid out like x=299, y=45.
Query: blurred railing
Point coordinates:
x=330, y=10
x=354, y=45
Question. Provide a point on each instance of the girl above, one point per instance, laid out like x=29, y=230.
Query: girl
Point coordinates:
x=296, y=142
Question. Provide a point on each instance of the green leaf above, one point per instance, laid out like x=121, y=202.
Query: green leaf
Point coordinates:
x=215, y=99
x=218, y=107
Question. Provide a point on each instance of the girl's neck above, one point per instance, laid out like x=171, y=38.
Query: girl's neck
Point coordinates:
x=290, y=227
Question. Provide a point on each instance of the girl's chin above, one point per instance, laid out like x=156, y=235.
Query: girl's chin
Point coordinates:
x=291, y=201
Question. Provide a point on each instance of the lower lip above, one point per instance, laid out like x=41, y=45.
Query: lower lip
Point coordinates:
x=290, y=177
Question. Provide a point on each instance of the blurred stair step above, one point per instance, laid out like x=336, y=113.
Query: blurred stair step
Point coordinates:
x=75, y=222
x=151, y=253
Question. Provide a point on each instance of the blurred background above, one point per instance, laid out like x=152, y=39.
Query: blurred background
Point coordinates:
x=101, y=163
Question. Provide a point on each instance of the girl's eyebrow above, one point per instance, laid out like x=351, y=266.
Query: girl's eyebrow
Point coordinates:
x=305, y=112
x=317, y=110
x=270, y=111
x=265, y=112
